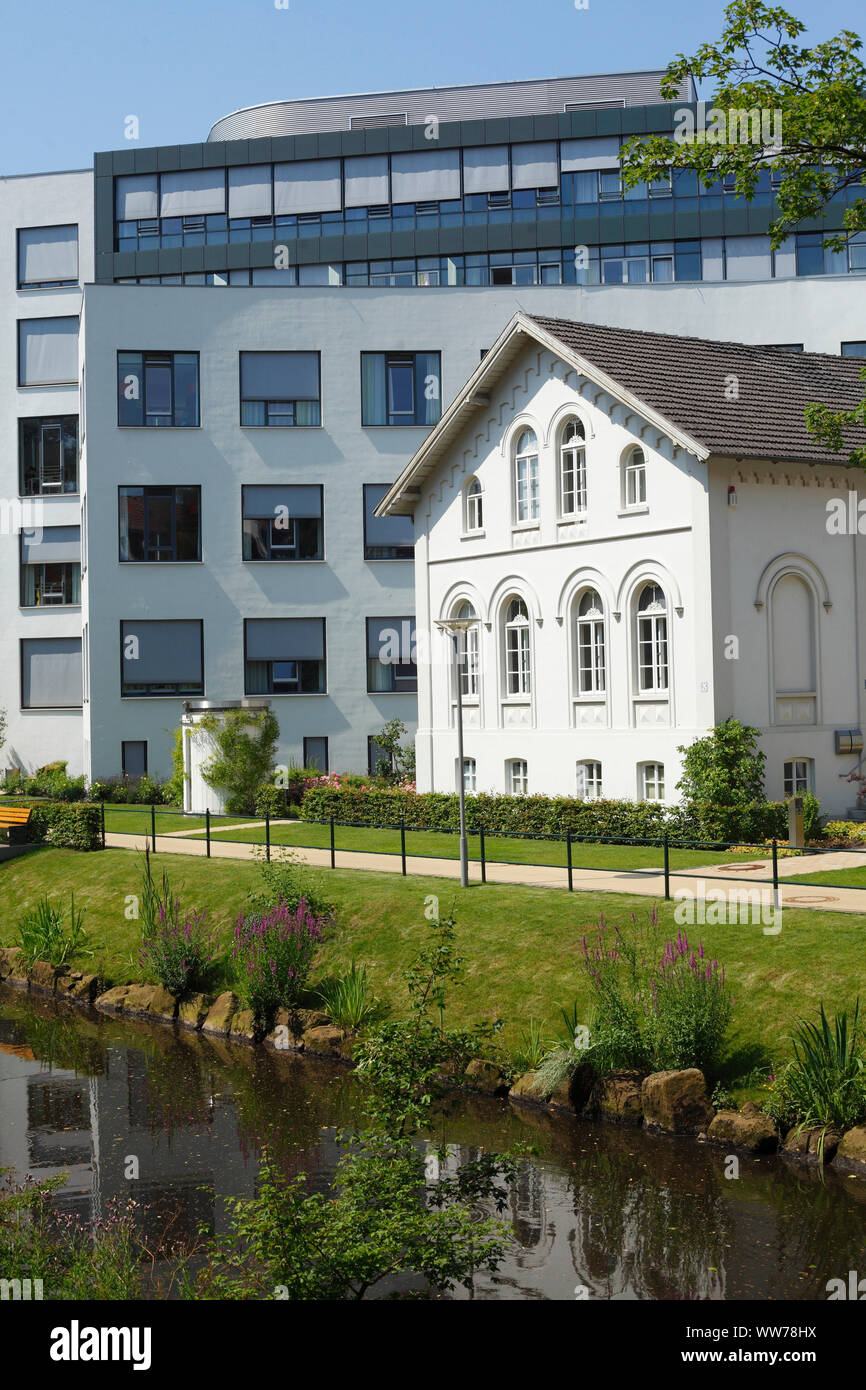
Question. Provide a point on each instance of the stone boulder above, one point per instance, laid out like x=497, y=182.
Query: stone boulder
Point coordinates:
x=220, y=1014
x=113, y=1000
x=77, y=985
x=851, y=1153
x=676, y=1102
x=308, y=1018
x=812, y=1145
x=192, y=1012
x=242, y=1026
x=324, y=1040
x=150, y=1001
x=10, y=956
x=754, y=1133
x=618, y=1097
x=525, y=1089
x=486, y=1078
x=285, y=1035
x=42, y=976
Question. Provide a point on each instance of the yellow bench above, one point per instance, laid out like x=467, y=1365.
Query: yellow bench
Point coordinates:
x=14, y=818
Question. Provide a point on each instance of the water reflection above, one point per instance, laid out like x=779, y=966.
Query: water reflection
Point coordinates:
x=615, y=1212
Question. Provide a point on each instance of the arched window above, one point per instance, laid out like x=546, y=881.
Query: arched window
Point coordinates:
x=590, y=644
x=634, y=479
x=798, y=776
x=517, y=776
x=652, y=781
x=474, y=513
x=589, y=781
x=467, y=652
x=794, y=650
x=572, y=469
x=526, y=477
x=652, y=639
x=518, y=666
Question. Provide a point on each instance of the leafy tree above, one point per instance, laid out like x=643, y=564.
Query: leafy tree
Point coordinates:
x=797, y=111
x=246, y=747
x=2, y=727
x=725, y=768
x=397, y=760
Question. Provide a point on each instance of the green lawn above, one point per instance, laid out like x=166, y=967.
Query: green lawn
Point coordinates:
x=502, y=849
x=850, y=878
x=522, y=945
x=136, y=820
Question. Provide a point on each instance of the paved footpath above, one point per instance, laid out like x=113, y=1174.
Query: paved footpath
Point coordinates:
x=738, y=878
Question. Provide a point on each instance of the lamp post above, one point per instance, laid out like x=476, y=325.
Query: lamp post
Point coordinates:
x=455, y=626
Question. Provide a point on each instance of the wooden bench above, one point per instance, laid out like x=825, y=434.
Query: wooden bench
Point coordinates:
x=14, y=819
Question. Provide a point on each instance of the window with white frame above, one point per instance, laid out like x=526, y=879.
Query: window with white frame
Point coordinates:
x=518, y=664
x=590, y=644
x=474, y=507
x=572, y=469
x=798, y=776
x=589, y=781
x=652, y=639
x=518, y=777
x=469, y=775
x=652, y=781
x=634, y=479
x=526, y=477
x=467, y=652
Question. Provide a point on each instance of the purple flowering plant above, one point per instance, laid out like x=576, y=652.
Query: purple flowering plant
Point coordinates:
x=272, y=953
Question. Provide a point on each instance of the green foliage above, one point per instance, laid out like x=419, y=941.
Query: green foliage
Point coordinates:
x=176, y=946
x=131, y=791
x=284, y=878
x=825, y=1084
x=270, y=800
x=175, y=784
x=398, y=761
x=49, y=781
x=812, y=829
x=533, y=1047
x=37, y=1241
x=246, y=746
x=42, y=933
x=272, y=955
x=65, y=825
x=349, y=998
x=725, y=768
x=2, y=727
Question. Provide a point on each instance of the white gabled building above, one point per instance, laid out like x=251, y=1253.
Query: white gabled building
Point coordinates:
x=640, y=524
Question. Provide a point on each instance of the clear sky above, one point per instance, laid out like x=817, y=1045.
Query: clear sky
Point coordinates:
x=70, y=73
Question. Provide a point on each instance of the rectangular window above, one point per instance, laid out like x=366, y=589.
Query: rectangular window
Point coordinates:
x=854, y=349
x=469, y=775
x=518, y=777
x=48, y=455
x=159, y=523
x=385, y=537
x=653, y=781
x=380, y=761
x=280, y=388
x=283, y=522
x=284, y=656
x=133, y=757
x=316, y=753
x=48, y=351
x=158, y=389
x=798, y=776
x=51, y=673
x=162, y=656
x=810, y=253
x=47, y=257
x=51, y=567
x=589, y=781
x=400, y=388
x=391, y=655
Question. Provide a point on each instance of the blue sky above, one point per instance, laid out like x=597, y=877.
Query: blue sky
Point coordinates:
x=71, y=73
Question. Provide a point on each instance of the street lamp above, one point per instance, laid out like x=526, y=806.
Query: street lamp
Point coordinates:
x=455, y=626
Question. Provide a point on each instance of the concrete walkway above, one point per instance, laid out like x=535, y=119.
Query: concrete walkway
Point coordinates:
x=738, y=878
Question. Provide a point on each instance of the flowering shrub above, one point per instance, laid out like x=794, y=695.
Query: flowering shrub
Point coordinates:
x=651, y=1013
x=179, y=952
x=272, y=952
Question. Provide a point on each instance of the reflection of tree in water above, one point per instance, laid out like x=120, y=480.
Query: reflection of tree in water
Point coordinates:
x=170, y=1088
x=54, y=1038
x=819, y=1230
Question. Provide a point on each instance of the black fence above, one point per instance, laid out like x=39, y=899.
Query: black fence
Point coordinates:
x=670, y=856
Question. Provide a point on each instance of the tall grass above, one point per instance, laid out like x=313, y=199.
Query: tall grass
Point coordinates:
x=43, y=933
x=825, y=1084
x=349, y=999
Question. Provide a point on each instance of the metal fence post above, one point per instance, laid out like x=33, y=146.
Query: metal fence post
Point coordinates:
x=775, y=873
x=568, y=853
x=102, y=820
x=333, y=851
x=403, y=844
x=153, y=826
x=667, y=868
x=207, y=829
x=483, y=858
x=268, y=836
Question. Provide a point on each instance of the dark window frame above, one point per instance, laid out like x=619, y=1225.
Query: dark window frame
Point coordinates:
x=392, y=356
x=280, y=423
x=403, y=559
x=147, y=488
x=51, y=421
x=271, y=559
x=45, y=284
x=21, y=704
x=270, y=664
x=124, y=743
x=318, y=738
x=157, y=354
x=393, y=621
x=162, y=694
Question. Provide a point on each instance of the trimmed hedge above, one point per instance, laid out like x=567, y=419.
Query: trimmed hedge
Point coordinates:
x=64, y=824
x=545, y=815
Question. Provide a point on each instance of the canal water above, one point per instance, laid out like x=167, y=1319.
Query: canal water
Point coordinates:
x=599, y=1212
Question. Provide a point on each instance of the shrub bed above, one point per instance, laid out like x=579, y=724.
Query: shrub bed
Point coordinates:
x=64, y=824
x=543, y=815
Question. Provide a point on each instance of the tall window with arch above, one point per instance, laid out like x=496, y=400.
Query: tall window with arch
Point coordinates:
x=518, y=662
x=526, y=477
x=517, y=776
x=467, y=652
x=572, y=469
x=590, y=644
x=473, y=502
x=652, y=639
x=469, y=775
x=634, y=479
x=589, y=781
x=794, y=651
